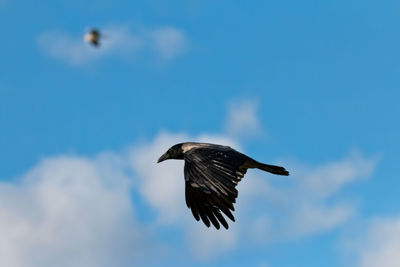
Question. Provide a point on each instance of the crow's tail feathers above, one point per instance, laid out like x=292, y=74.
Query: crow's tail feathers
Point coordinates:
x=271, y=168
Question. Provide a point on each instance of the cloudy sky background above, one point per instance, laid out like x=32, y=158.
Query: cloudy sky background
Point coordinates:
x=312, y=86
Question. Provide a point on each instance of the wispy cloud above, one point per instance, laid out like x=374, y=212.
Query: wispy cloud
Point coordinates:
x=378, y=244
x=242, y=119
x=164, y=44
x=169, y=42
x=295, y=199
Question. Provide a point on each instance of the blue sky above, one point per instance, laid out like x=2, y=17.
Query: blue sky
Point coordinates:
x=311, y=85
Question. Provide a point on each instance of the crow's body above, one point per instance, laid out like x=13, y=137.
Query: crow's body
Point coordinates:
x=211, y=174
x=93, y=37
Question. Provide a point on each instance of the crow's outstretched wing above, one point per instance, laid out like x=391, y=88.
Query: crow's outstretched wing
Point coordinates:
x=211, y=174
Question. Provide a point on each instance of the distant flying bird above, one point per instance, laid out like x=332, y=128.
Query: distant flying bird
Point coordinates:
x=211, y=174
x=93, y=37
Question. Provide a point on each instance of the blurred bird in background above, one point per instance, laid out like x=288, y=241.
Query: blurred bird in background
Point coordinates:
x=93, y=37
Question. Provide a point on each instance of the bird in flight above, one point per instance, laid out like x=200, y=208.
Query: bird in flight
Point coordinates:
x=93, y=37
x=211, y=175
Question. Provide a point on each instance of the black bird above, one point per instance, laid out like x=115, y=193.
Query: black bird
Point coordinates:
x=93, y=37
x=211, y=174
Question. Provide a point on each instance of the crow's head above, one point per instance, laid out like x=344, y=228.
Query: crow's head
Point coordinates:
x=174, y=152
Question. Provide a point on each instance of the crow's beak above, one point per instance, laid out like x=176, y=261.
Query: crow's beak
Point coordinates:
x=163, y=157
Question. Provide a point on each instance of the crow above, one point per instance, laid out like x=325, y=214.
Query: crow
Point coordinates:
x=211, y=173
x=93, y=37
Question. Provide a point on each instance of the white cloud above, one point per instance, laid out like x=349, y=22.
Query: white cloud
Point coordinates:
x=242, y=119
x=119, y=41
x=161, y=185
x=379, y=244
x=70, y=211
